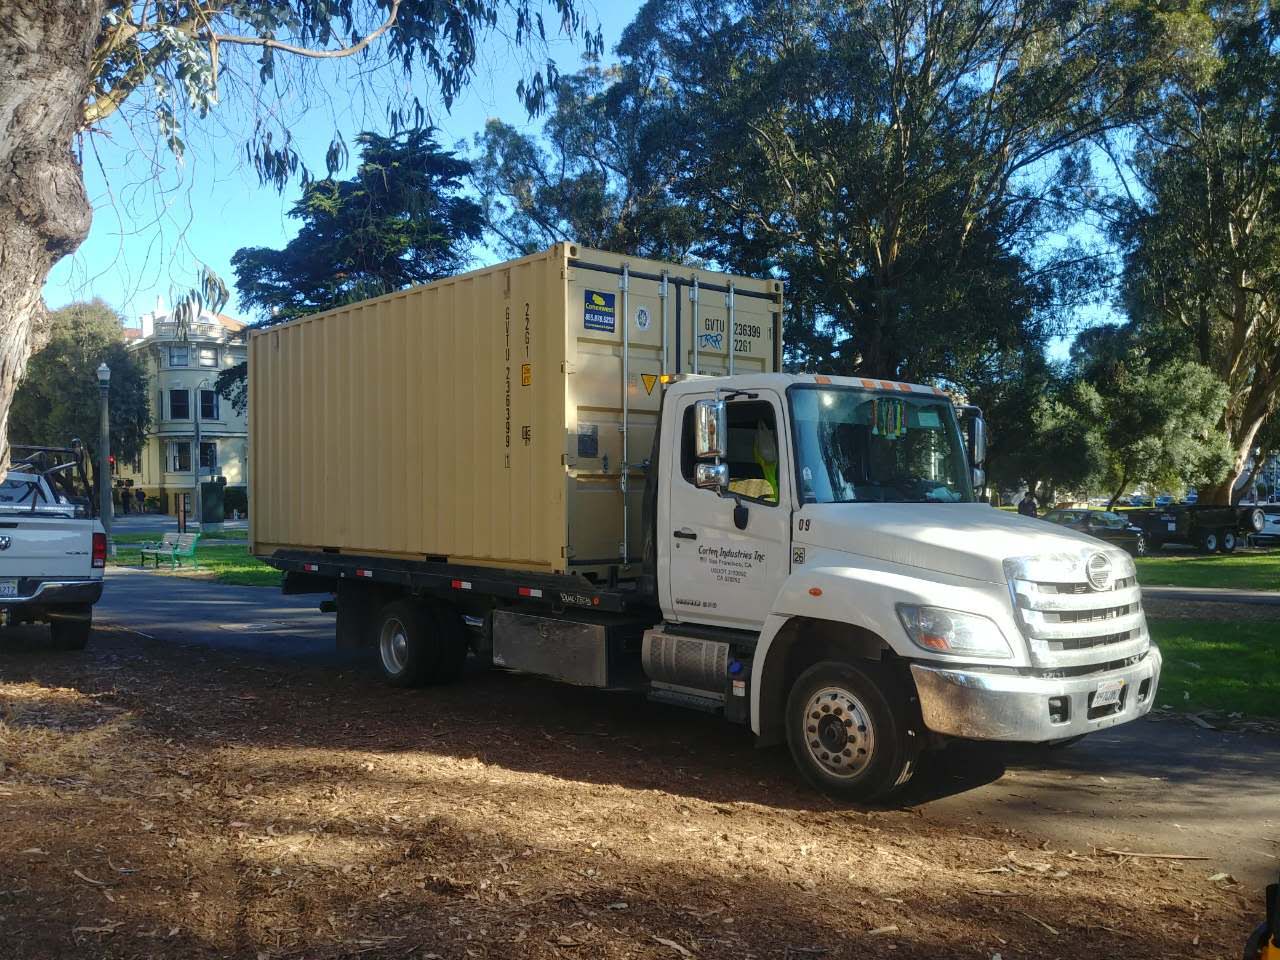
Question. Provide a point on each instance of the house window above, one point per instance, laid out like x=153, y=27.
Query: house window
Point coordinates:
x=179, y=456
x=179, y=356
x=179, y=405
x=209, y=455
x=208, y=356
x=208, y=404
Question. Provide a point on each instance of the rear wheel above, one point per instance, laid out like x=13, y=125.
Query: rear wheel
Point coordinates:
x=849, y=730
x=1209, y=541
x=70, y=627
x=1227, y=542
x=420, y=643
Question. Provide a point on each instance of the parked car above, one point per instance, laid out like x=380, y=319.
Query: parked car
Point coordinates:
x=1164, y=500
x=53, y=547
x=1111, y=527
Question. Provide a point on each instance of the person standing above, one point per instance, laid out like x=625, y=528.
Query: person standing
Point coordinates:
x=142, y=500
x=1027, y=506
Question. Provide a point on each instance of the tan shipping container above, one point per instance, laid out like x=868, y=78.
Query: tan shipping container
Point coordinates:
x=478, y=419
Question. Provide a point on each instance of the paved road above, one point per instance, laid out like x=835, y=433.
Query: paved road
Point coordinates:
x=1157, y=786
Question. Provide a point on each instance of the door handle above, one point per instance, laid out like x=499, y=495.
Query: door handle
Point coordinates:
x=684, y=535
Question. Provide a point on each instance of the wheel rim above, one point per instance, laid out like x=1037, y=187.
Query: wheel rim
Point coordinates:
x=393, y=644
x=838, y=733
x=1210, y=543
x=1141, y=548
x=1228, y=541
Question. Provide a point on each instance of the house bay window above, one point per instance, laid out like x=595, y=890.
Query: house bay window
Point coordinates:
x=208, y=356
x=179, y=356
x=179, y=405
x=208, y=404
x=180, y=456
x=209, y=455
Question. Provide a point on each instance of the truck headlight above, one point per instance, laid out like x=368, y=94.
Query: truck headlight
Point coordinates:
x=951, y=631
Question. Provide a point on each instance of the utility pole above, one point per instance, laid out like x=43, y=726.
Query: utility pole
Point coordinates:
x=104, y=453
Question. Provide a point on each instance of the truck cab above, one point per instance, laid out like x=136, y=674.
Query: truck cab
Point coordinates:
x=826, y=533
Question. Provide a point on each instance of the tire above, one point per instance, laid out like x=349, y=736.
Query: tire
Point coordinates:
x=1254, y=520
x=1227, y=541
x=70, y=627
x=1209, y=541
x=857, y=716
x=1140, y=547
x=419, y=643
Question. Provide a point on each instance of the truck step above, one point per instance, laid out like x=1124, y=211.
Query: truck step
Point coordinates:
x=681, y=698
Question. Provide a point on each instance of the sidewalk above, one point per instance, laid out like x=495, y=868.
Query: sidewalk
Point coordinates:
x=1213, y=595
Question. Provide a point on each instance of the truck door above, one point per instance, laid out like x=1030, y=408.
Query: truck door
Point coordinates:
x=717, y=573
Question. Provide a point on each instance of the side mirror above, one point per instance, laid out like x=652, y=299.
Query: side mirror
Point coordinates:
x=711, y=430
x=979, y=480
x=978, y=441
x=711, y=476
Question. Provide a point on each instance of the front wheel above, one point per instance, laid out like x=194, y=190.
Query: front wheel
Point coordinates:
x=1140, y=546
x=70, y=627
x=849, y=730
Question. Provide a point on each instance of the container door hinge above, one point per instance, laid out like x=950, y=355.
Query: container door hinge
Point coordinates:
x=566, y=366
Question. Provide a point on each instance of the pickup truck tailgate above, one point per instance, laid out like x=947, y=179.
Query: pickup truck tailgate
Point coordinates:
x=44, y=547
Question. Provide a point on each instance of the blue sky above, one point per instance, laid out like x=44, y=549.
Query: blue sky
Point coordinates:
x=154, y=225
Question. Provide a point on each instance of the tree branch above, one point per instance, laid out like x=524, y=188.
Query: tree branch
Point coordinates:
x=270, y=44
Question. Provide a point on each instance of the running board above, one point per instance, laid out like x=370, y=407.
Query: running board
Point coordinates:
x=682, y=698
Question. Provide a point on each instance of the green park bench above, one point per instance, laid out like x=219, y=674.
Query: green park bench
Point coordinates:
x=174, y=547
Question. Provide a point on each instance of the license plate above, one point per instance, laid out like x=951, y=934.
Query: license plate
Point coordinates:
x=8, y=588
x=1108, y=693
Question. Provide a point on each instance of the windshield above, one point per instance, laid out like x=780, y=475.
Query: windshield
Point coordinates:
x=857, y=446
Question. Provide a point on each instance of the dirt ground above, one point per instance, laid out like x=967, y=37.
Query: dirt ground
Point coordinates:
x=157, y=801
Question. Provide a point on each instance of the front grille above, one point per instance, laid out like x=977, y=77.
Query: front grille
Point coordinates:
x=1087, y=643
x=1069, y=623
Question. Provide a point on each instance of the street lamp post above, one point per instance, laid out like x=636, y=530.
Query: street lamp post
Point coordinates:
x=104, y=451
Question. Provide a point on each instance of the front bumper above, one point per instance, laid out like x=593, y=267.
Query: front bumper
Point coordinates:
x=998, y=706
x=53, y=593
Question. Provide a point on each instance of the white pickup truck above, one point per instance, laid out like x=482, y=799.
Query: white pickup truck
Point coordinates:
x=53, y=548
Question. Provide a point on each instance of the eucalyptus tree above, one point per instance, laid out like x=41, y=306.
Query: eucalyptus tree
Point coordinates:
x=67, y=67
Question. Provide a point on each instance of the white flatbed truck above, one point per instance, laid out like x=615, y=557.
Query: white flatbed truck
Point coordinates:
x=802, y=554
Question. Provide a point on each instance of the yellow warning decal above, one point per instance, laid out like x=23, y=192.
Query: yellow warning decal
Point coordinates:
x=649, y=380
x=526, y=374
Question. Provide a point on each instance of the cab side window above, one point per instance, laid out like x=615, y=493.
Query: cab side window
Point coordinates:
x=752, y=458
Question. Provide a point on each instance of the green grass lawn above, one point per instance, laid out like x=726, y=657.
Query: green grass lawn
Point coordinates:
x=1244, y=571
x=1220, y=665
x=228, y=563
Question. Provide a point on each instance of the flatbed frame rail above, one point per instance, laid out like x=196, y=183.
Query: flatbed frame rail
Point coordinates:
x=309, y=572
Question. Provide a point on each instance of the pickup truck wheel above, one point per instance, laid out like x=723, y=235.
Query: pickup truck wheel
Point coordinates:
x=848, y=730
x=1209, y=541
x=419, y=643
x=70, y=627
x=1228, y=542
x=1140, y=546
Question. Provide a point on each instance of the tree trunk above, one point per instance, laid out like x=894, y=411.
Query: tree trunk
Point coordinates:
x=46, y=48
x=1242, y=438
